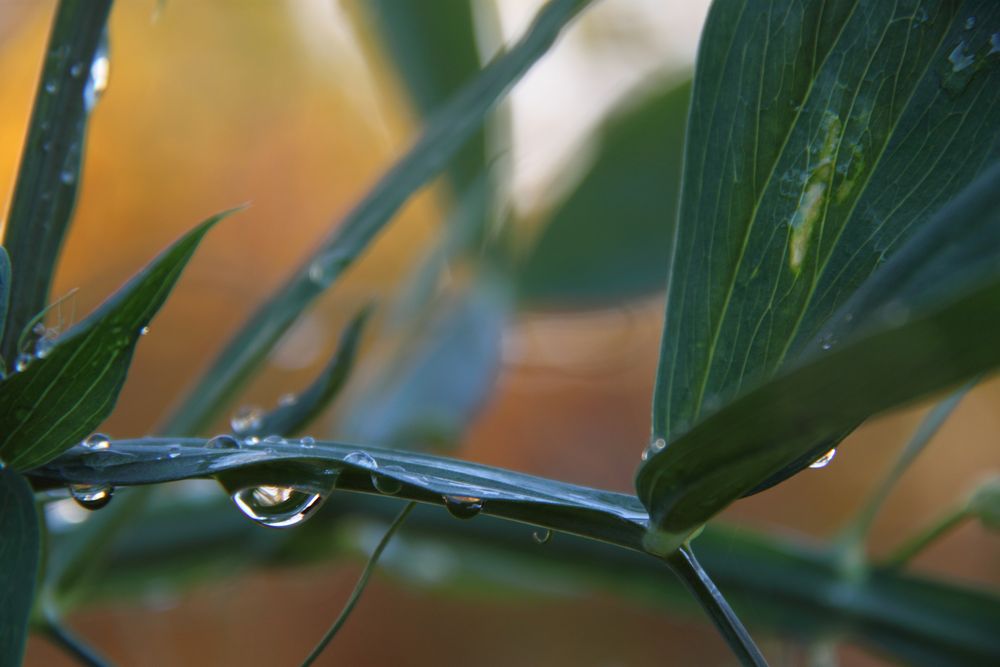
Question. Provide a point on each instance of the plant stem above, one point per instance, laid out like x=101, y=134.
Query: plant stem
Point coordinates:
x=69, y=642
x=945, y=524
x=360, y=586
x=686, y=567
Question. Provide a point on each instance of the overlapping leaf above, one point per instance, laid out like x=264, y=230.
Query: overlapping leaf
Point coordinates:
x=60, y=398
x=20, y=550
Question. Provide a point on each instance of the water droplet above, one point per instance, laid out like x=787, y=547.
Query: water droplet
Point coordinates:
x=387, y=485
x=361, y=459
x=824, y=460
x=224, y=441
x=22, y=362
x=658, y=444
x=246, y=419
x=959, y=59
x=970, y=23
x=307, y=441
x=994, y=44
x=96, y=441
x=66, y=177
x=277, y=506
x=542, y=536
x=143, y=331
x=51, y=87
x=274, y=440
x=463, y=507
x=286, y=400
x=76, y=70
x=251, y=440
x=91, y=496
x=173, y=451
x=38, y=329
x=97, y=81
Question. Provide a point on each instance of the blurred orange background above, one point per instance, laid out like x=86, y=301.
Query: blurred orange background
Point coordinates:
x=212, y=104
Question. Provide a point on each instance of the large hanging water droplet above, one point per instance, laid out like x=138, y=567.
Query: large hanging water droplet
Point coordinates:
x=22, y=362
x=542, y=536
x=246, y=419
x=824, y=460
x=463, y=507
x=224, y=441
x=277, y=506
x=96, y=441
x=387, y=485
x=91, y=496
x=361, y=459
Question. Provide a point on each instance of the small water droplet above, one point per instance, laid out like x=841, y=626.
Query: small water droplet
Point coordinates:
x=277, y=506
x=66, y=177
x=542, y=536
x=824, y=460
x=286, y=400
x=43, y=346
x=224, y=441
x=387, y=485
x=251, y=440
x=76, y=70
x=173, y=451
x=143, y=331
x=959, y=59
x=51, y=87
x=970, y=23
x=307, y=441
x=22, y=362
x=246, y=419
x=91, y=496
x=96, y=441
x=361, y=459
x=994, y=44
x=97, y=81
x=463, y=507
x=274, y=440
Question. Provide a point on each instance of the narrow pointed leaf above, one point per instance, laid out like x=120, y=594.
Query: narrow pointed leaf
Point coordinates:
x=20, y=551
x=289, y=419
x=608, y=240
x=603, y=515
x=61, y=398
x=924, y=322
x=444, y=135
x=822, y=135
x=4, y=288
x=49, y=173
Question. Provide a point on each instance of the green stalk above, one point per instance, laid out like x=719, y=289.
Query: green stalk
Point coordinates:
x=696, y=579
x=915, y=545
x=69, y=642
x=360, y=586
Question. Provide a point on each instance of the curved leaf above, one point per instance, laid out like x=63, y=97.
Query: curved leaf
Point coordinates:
x=20, y=551
x=49, y=174
x=608, y=239
x=65, y=395
x=602, y=515
x=926, y=321
x=821, y=136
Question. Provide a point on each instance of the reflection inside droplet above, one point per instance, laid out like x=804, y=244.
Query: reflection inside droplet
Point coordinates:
x=277, y=506
x=824, y=460
x=91, y=496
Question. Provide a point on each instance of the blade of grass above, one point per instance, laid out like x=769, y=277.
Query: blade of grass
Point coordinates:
x=445, y=134
x=49, y=175
x=359, y=587
x=71, y=643
x=941, y=527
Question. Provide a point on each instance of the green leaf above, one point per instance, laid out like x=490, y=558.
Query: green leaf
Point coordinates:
x=428, y=392
x=49, y=174
x=603, y=515
x=295, y=415
x=608, y=240
x=821, y=137
x=924, y=322
x=20, y=551
x=4, y=288
x=444, y=135
x=65, y=395
x=436, y=54
x=984, y=503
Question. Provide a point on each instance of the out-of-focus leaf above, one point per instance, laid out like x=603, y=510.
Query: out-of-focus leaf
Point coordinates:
x=984, y=503
x=20, y=551
x=925, y=321
x=430, y=390
x=822, y=135
x=609, y=239
x=4, y=288
x=436, y=54
x=60, y=398
x=467, y=489
x=293, y=416
x=445, y=134
x=49, y=174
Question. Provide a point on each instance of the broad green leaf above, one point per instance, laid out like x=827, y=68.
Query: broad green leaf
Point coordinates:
x=436, y=54
x=443, y=137
x=925, y=321
x=65, y=395
x=294, y=415
x=4, y=288
x=822, y=135
x=429, y=390
x=20, y=551
x=468, y=488
x=49, y=174
x=608, y=240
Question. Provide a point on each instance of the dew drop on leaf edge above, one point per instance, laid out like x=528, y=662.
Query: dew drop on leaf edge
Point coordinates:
x=277, y=506
x=224, y=441
x=96, y=441
x=463, y=507
x=543, y=536
x=91, y=496
x=824, y=460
